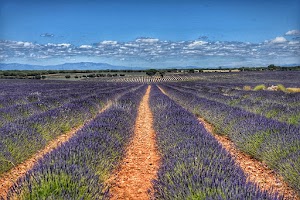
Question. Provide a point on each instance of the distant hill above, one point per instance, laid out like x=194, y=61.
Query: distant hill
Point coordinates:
x=66, y=66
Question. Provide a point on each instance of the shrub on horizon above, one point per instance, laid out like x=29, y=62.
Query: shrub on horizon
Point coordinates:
x=247, y=87
x=281, y=87
x=259, y=87
x=293, y=90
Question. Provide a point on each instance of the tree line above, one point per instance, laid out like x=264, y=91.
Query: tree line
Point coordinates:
x=42, y=74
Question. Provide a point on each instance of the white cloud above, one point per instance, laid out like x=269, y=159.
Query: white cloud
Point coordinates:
x=154, y=49
x=28, y=44
x=131, y=45
x=20, y=43
x=147, y=40
x=196, y=44
x=279, y=40
x=85, y=46
x=294, y=42
x=293, y=32
x=63, y=45
x=109, y=42
x=25, y=44
x=51, y=44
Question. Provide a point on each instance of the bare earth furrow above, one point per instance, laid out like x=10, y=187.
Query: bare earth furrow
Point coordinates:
x=140, y=165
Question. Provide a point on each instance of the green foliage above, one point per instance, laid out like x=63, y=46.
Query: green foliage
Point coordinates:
x=294, y=119
x=272, y=113
x=234, y=102
x=67, y=76
x=259, y=87
x=151, y=72
x=208, y=193
x=281, y=88
x=252, y=144
x=38, y=77
x=19, y=150
x=65, y=127
x=291, y=172
x=54, y=187
x=23, y=149
x=272, y=67
x=162, y=74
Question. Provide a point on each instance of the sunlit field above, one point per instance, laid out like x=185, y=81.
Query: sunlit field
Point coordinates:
x=261, y=121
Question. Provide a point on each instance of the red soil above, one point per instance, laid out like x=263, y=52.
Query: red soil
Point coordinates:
x=8, y=178
x=141, y=162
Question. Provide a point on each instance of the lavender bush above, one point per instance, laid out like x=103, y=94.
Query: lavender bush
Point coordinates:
x=284, y=107
x=194, y=165
x=24, y=137
x=78, y=168
x=276, y=143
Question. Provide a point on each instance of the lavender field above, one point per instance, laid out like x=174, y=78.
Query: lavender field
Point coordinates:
x=262, y=122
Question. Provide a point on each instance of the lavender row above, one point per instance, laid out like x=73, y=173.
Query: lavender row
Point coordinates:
x=16, y=92
x=240, y=79
x=280, y=106
x=18, y=141
x=23, y=111
x=79, y=168
x=275, y=143
x=228, y=90
x=194, y=165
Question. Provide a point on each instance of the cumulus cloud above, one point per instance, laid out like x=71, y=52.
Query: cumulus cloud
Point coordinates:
x=147, y=40
x=197, y=44
x=293, y=32
x=131, y=45
x=294, y=42
x=278, y=40
x=24, y=44
x=85, y=46
x=151, y=49
x=64, y=45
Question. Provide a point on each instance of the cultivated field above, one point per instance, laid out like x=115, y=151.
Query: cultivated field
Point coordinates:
x=197, y=136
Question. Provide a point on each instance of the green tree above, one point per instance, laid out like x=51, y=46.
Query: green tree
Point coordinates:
x=151, y=72
x=271, y=67
x=37, y=76
x=162, y=73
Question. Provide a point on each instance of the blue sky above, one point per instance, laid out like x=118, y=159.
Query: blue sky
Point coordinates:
x=151, y=33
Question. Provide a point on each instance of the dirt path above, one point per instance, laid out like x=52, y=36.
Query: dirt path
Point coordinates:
x=7, y=179
x=255, y=170
x=140, y=165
